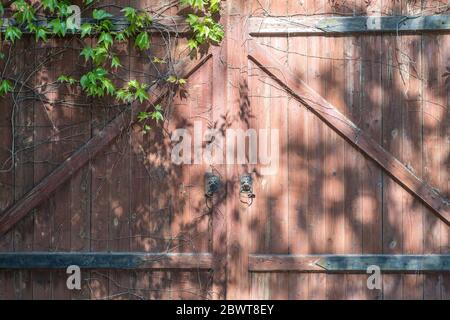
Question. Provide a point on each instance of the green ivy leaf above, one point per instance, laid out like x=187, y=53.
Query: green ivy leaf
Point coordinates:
x=143, y=115
x=100, y=55
x=142, y=41
x=216, y=33
x=66, y=79
x=124, y=95
x=51, y=5
x=86, y=29
x=115, y=62
x=196, y=4
x=120, y=36
x=192, y=19
x=100, y=72
x=24, y=13
x=214, y=6
x=99, y=14
x=41, y=33
x=192, y=44
x=5, y=87
x=87, y=53
x=108, y=86
x=58, y=27
x=141, y=94
x=96, y=83
x=105, y=39
x=129, y=13
x=105, y=25
x=12, y=33
x=157, y=114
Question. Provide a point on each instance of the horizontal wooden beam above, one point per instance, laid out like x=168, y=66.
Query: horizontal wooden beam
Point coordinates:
x=166, y=24
x=349, y=263
x=105, y=260
x=88, y=151
x=282, y=26
x=346, y=128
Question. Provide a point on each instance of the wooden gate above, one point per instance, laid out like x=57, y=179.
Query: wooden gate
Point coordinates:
x=355, y=93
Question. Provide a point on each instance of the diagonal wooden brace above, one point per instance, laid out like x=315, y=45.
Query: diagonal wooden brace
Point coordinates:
x=346, y=128
x=88, y=151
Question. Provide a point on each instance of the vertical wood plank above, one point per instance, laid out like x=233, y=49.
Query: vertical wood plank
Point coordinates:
x=45, y=128
x=237, y=96
x=80, y=183
x=277, y=180
x=219, y=218
x=411, y=58
x=392, y=141
x=340, y=84
x=121, y=186
x=62, y=119
x=316, y=155
x=6, y=186
x=99, y=232
x=258, y=117
x=371, y=174
x=298, y=180
x=435, y=152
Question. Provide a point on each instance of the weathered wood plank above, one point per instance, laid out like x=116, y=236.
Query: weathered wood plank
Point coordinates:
x=219, y=220
x=88, y=151
x=349, y=263
x=345, y=127
x=281, y=26
x=105, y=260
x=238, y=233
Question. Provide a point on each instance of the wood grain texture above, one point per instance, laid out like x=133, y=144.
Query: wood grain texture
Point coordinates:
x=349, y=130
x=88, y=151
x=295, y=26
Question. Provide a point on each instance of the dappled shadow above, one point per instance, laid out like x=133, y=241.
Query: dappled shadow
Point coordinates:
x=339, y=200
x=326, y=196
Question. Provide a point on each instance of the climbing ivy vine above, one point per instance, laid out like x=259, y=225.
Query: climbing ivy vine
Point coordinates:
x=50, y=19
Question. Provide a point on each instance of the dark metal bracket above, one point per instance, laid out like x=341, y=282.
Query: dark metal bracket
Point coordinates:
x=247, y=186
x=212, y=184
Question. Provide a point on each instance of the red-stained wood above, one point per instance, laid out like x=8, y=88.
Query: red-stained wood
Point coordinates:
x=317, y=69
x=24, y=170
x=413, y=210
x=219, y=220
x=62, y=173
x=349, y=130
x=80, y=184
x=276, y=173
x=392, y=134
x=45, y=129
x=237, y=95
x=256, y=115
x=341, y=222
x=6, y=189
x=384, y=94
x=298, y=179
x=121, y=186
x=435, y=152
x=371, y=120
